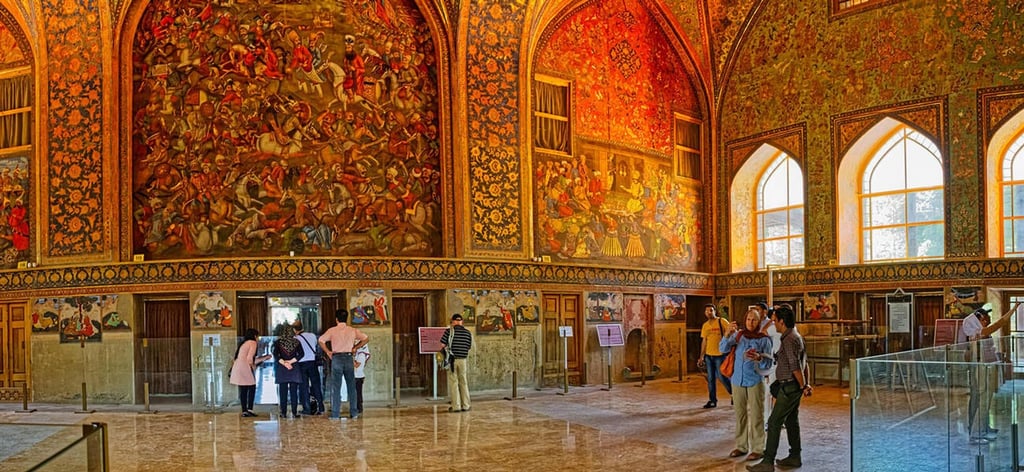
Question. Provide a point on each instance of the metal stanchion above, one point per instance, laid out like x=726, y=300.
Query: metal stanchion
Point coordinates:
x=682, y=355
x=398, y=394
x=609, y=349
x=515, y=387
x=24, y=400
x=85, y=402
x=145, y=399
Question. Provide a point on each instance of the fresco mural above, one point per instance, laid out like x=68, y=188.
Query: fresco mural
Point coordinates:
x=616, y=208
x=211, y=310
x=11, y=54
x=275, y=127
x=627, y=79
x=820, y=306
x=76, y=318
x=75, y=64
x=495, y=311
x=494, y=165
x=604, y=306
x=15, y=220
x=368, y=307
x=962, y=301
x=616, y=201
x=670, y=307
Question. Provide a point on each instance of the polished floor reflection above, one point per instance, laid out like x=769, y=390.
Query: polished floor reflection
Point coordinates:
x=660, y=426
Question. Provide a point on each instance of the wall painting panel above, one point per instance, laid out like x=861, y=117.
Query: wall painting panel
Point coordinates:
x=285, y=128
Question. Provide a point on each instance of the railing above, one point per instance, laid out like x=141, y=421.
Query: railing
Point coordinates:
x=48, y=447
x=951, y=408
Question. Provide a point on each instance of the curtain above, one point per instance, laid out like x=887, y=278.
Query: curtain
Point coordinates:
x=165, y=356
x=16, y=127
x=552, y=133
x=252, y=313
x=328, y=304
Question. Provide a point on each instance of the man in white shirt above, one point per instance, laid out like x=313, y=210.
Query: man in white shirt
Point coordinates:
x=983, y=379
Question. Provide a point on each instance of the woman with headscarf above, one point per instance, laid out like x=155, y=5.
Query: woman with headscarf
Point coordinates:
x=287, y=352
x=242, y=370
x=753, y=355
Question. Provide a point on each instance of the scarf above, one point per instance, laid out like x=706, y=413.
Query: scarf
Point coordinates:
x=288, y=345
x=749, y=334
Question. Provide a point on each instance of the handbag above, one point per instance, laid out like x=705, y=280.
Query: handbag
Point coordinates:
x=729, y=363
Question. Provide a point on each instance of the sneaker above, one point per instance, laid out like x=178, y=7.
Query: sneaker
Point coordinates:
x=354, y=417
x=790, y=461
x=710, y=405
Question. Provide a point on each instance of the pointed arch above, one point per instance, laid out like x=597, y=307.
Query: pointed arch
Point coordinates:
x=766, y=199
x=885, y=212
x=1004, y=202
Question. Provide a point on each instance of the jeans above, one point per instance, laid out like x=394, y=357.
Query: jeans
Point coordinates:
x=786, y=411
x=310, y=385
x=714, y=366
x=343, y=368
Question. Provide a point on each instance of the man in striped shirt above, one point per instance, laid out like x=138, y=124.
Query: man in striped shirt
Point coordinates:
x=458, y=340
x=792, y=387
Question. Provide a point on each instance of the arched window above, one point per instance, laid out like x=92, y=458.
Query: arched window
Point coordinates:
x=902, y=210
x=1012, y=186
x=780, y=214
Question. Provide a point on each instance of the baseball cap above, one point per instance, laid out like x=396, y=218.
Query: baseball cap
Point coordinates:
x=456, y=317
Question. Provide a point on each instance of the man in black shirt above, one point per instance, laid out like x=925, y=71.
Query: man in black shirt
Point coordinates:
x=458, y=341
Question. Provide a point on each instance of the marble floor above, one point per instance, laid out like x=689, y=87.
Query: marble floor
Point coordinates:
x=658, y=427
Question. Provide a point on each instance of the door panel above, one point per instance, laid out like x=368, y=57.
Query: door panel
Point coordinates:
x=410, y=313
x=561, y=310
x=13, y=346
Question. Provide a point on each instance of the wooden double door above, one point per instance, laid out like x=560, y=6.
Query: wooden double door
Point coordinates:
x=562, y=310
x=14, y=325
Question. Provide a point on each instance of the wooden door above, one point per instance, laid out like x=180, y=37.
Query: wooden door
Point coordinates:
x=927, y=309
x=164, y=356
x=13, y=346
x=409, y=314
x=561, y=310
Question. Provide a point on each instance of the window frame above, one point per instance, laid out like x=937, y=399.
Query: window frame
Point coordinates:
x=1003, y=183
x=680, y=149
x=535, y=114
x=776, y=163
x=871, y=163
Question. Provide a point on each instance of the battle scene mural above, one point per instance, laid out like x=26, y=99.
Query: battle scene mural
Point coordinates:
x=288, y=127
x=617, y=199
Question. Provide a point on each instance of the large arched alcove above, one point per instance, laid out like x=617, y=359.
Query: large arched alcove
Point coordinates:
x=609, y=187
x=284, y=129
